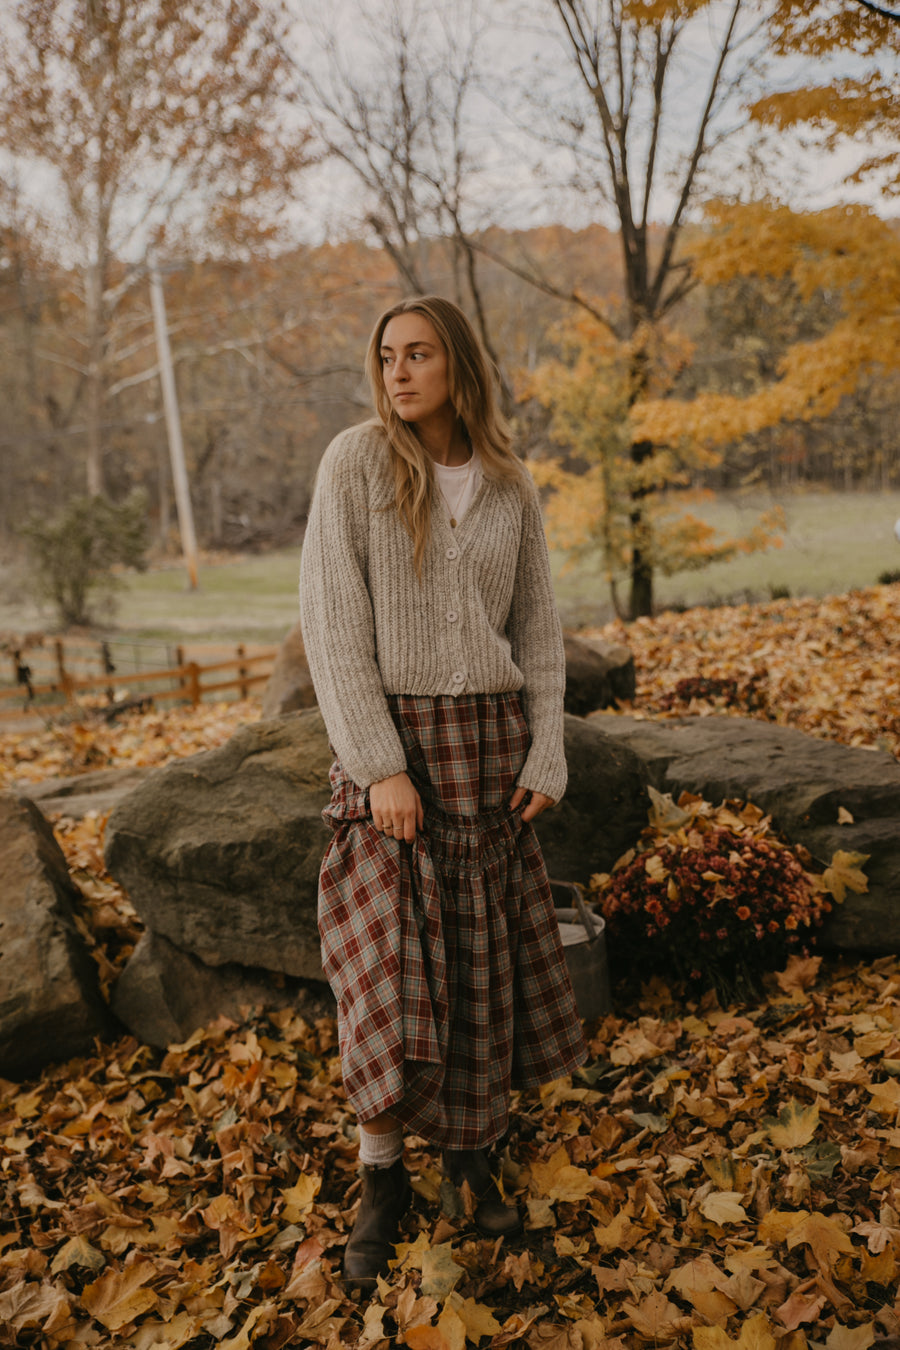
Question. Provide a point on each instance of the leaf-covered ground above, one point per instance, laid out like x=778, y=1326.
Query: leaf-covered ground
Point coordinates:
x=715, y=1177
x=828, y=667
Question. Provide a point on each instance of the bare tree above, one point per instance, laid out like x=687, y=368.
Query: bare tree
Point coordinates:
x=395, y=107
x=654, y=97
x=146, y=122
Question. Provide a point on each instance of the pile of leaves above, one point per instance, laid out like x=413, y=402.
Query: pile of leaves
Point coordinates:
x=711, y=1179
x=713, y=896
x=827, y=667
x=83, y=741
x=714, y=1177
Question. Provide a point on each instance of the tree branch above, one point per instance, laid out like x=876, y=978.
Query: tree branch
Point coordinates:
x=540, y=283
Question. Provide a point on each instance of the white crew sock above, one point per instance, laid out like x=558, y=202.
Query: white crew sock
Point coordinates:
x=380, y=1150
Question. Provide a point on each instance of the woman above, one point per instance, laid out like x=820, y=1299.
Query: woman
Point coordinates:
x=435, y=649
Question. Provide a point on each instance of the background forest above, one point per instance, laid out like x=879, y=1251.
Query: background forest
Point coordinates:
x=669, y=219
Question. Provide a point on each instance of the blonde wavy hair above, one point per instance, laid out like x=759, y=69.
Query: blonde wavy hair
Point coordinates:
x=471, y=386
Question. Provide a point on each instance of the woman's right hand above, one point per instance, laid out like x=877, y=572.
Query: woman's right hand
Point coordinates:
x=396, y=807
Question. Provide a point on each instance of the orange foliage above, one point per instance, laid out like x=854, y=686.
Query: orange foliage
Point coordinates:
x=598, y=392
x=848, y=250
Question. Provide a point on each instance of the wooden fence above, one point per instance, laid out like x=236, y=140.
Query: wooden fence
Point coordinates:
x=187, y=681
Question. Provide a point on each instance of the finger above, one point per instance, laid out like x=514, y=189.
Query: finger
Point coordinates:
x=539, y=802
x=516, y=798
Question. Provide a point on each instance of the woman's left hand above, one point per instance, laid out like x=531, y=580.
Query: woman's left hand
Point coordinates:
x=534, y=808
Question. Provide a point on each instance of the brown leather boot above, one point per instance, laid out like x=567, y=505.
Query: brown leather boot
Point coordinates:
x=385, y=1199
x=493, y=1216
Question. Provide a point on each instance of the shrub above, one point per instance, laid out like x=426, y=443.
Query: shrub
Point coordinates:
x=72, y=556
x=888, y=578
x=710, y=896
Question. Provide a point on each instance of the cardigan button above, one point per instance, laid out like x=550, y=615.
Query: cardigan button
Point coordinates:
x=459, y=677
x=452, y=616
x=452, y=553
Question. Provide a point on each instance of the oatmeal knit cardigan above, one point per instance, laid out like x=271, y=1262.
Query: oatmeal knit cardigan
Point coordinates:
x=483, y=619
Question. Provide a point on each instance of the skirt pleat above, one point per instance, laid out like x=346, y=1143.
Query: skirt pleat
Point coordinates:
x=444, y=954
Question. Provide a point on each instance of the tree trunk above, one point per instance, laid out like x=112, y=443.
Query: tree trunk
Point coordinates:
x=641, y=604
x=641, y=597
x=95, y=379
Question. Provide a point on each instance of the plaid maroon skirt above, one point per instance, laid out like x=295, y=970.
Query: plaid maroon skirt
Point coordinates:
x=444, y=954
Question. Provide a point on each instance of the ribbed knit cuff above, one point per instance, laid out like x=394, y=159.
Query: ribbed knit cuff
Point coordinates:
x=543, y=777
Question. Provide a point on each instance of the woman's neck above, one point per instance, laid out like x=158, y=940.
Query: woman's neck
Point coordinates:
x=445, y=440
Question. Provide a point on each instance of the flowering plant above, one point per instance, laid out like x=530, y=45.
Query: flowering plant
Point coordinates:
x=712, y=896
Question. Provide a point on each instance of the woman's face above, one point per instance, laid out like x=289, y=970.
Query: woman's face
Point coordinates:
x=414, y=369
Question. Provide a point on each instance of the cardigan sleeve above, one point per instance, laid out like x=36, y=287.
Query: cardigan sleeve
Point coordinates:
x=338, y=626
x=536, y=642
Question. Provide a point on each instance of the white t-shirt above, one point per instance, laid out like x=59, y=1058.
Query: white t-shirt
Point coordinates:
x=458, y=484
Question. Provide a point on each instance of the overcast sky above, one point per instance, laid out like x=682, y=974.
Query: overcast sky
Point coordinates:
x=520, y=177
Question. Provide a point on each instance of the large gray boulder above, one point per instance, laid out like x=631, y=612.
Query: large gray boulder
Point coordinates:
x=289, y=688
x=599, y=674
x=168, y=993
x=50, y=1003
x=220, y=856
x=220, y=852
x=98, y=791
x=604, y=809
x=800, y=781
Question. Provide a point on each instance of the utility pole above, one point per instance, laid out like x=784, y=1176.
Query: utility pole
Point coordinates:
x=173, y=427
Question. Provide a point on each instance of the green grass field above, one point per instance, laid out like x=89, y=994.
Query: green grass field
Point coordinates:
x=832, y=543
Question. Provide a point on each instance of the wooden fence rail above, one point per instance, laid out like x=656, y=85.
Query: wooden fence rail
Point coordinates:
x=185, y=681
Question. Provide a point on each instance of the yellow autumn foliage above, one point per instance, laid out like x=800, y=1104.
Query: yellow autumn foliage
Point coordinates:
x=847, y=250
x=599, y=389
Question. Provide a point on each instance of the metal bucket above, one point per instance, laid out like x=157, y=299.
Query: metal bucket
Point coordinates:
x=583, y=936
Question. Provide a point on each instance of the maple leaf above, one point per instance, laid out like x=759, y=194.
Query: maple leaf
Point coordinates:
x=755, y=1334
x=440, y=1271
x=801, y=972
x=242, y=1339
x=664, y=814
x=299, y=1198
x=477, y=1318
x=620, y=1233
x=885, y=1098
x=518, y=1269
x=823, y=1235
x=557, y=1179
x=120, y=1297
x=169, y=1335
x=77, y=1252
x=655, y=1317
x=30, y=1304
x=845, y=875
x=795, y=1126
x=799, y=1308
x=851, y=1338
x=373, y=1326
x=723, y=1207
